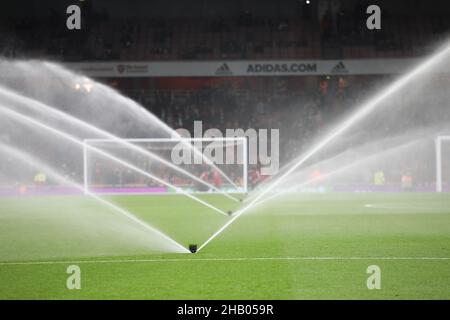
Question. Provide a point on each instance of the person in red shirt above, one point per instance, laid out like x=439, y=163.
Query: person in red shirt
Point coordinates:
x=316, y=175
x=217, y=179
x=205, y=177
x=254, y=176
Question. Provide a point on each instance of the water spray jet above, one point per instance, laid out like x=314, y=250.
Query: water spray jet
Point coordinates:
x=363, y=111
x=34, y=104
x=31, y=160
x=66, y=136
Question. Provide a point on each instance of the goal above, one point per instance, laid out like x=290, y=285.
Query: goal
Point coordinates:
x=165, y=166
x=442, y=167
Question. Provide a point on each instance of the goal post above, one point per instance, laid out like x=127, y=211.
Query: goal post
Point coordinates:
x=439, y=165
x=165, y=165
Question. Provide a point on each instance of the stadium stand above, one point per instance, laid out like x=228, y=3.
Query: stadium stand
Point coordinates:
x=244, y=35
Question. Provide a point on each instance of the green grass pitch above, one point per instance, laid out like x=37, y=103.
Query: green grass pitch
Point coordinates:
x=307, y=246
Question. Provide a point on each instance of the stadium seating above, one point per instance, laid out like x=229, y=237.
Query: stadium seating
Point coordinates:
x=239, y=37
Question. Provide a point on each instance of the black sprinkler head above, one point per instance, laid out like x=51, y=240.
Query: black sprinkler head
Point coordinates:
x=193, y=248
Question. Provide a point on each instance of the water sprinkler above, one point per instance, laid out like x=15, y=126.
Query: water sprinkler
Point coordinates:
x=193, y=248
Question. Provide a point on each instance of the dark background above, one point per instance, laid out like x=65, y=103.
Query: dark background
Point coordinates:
x=201, y=29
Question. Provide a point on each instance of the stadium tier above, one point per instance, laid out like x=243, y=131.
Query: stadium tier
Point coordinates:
x=297, y=31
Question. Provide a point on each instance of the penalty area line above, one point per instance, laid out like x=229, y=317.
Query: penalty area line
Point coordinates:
x=223, y=260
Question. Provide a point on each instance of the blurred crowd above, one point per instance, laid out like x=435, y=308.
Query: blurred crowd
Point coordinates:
x=303, y=109
x=299, y=110
x=306, y=33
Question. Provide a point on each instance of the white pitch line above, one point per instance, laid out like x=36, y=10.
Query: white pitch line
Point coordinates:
x=223, y=259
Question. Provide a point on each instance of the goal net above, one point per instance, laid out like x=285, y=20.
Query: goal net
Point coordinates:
x=156, y=166
x=443, y=164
